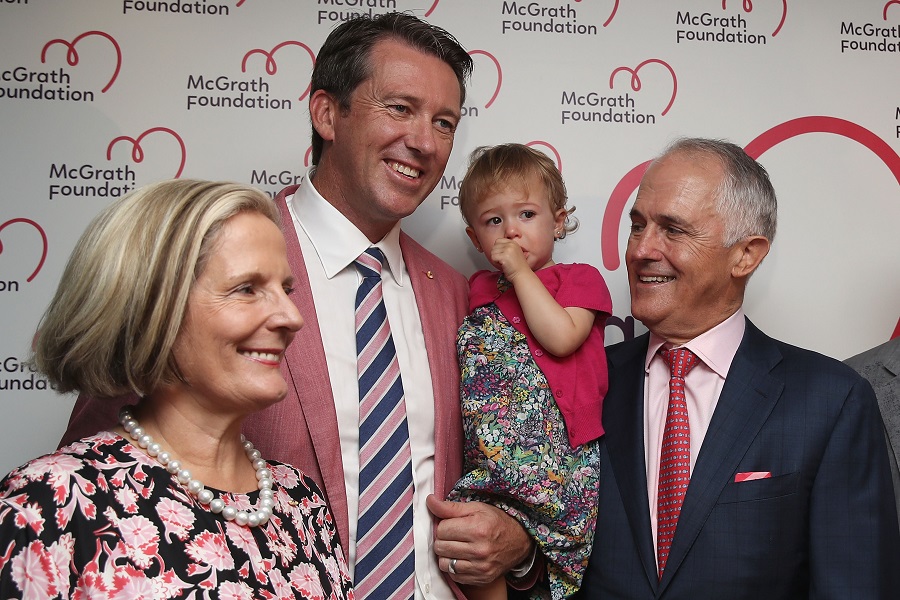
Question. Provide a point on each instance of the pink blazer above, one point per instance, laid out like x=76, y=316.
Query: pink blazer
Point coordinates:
x=302, y=429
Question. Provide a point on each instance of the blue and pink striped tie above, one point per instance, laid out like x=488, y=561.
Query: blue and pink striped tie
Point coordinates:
x=385, y=563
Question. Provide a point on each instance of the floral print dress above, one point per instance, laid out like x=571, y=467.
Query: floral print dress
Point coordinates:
x=101, y=519
x=517, y=452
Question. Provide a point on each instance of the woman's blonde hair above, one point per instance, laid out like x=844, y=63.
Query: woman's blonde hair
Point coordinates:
x=111, y=325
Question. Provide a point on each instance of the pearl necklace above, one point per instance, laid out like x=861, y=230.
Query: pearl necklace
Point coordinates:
x=253, y=517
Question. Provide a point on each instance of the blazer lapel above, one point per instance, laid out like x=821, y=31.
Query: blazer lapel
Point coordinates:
x=307, y=370
x=748, y=397
x=623, y=421
x=439, y=323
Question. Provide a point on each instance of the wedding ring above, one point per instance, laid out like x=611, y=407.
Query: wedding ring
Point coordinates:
x=452, y=568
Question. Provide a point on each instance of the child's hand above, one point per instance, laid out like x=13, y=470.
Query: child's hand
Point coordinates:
x=508, y=257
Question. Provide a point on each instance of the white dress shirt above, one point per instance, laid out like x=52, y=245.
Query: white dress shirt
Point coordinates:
x=702, y=386
x=330, y=243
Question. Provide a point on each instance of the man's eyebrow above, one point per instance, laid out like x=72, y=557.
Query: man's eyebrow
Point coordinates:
x=673, y=220
x=663, y=218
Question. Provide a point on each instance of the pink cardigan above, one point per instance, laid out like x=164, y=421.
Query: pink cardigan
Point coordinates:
x=578, y=381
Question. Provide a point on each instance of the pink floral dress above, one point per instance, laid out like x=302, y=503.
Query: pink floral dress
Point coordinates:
x=101, y=519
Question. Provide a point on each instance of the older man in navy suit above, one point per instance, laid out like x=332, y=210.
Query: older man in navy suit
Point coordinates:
x=735, y=466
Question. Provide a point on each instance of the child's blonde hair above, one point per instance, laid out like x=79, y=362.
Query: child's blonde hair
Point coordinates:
x=493, y=167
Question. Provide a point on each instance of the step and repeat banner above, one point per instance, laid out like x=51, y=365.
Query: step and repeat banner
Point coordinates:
x=98, y=97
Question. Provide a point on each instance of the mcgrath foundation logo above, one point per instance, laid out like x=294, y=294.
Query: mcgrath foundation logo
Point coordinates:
x=719, y=28
x=25, y=83
x=223, y=91
x=870, y=38
x=38, y=258
x=593, y=106
x=615, y=207
x=560, y=19
x=72, y=181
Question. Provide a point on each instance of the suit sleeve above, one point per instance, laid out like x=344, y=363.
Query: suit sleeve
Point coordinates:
x=854, y=537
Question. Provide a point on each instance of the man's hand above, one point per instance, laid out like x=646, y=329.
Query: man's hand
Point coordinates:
x=485, y=541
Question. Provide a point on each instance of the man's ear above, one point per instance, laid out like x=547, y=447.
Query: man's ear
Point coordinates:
x=471, y=233
x=323, y=112
x=752, y=250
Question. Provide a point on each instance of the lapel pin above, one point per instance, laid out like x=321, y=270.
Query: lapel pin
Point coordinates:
x=429, y=274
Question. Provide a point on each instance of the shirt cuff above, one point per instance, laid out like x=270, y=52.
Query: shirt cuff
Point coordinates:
x=522, y=569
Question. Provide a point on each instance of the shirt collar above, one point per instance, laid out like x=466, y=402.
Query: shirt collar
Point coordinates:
x=336, y=240
x=715, y=347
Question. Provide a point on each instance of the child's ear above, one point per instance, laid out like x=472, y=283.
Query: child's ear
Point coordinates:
x=560, y=221
x=471, y=233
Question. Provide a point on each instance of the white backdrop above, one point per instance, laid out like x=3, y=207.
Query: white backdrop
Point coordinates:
x=100, y=96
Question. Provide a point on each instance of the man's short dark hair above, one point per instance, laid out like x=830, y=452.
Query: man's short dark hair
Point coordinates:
x=343, y=61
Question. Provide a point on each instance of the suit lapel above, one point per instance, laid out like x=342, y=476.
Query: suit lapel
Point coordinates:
x=747, y=399
x=892, y=360
x=887, y=390
x=623, y=421
x=439, y=324
x=308, y=372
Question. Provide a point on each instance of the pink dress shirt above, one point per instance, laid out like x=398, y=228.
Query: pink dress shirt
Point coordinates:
x=716, y=349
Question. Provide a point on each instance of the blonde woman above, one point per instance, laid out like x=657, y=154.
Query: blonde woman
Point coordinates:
x=179, y=294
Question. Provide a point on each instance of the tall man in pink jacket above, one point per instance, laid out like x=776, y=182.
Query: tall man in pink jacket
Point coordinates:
x=385, y=101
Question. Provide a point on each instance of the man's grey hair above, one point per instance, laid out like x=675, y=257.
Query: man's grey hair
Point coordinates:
x=745, y=198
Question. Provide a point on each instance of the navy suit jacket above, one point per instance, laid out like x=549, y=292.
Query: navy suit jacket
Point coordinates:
x=822, y=526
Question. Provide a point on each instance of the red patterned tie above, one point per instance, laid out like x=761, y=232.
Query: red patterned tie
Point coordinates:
x=675, y=454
